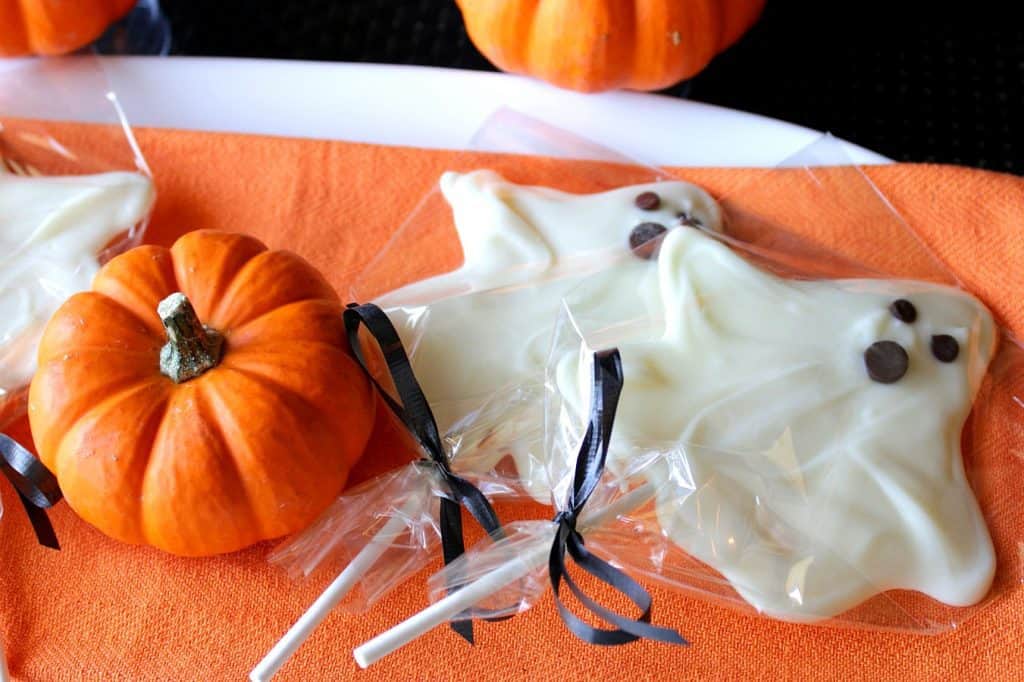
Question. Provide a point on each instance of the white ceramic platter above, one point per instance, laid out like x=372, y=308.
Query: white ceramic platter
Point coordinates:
x=422, y=107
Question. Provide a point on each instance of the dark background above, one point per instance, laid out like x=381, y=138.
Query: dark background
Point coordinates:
x=909, y=80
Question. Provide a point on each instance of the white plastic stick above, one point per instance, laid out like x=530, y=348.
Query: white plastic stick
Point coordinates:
x=335, y=592
x=5, y=675
x=445, y=609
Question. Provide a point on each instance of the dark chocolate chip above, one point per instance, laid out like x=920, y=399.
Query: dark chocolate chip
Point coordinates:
x=648, y=201
x=945, y=348
x=886, y=361
x=688, y=220
x=903, y=310
x=645, y=239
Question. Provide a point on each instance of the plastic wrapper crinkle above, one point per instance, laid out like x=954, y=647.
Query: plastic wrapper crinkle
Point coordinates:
x=514, y=572
x=64, y=209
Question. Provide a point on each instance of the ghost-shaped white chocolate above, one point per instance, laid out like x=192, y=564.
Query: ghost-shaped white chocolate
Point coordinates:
x=52, y=229
x=524, y=248
x=808, y=484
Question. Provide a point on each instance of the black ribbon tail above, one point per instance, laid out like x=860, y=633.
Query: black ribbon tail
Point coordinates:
x=590, y=462
x=413, y=409
x=451, y=526
x=41, y=525
x=36, y=487
x=452, y=547
x=635, y=628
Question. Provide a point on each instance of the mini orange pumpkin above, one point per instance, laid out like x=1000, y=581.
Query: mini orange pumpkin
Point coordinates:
x=200, y=439
x=594, y=45
x=50, y=27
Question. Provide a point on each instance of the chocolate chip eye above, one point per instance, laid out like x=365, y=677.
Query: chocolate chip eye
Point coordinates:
x=903, y=310
x=648, y=201
x=645, y=239
x=688, y=220
x=886, y=361
x=945, y=348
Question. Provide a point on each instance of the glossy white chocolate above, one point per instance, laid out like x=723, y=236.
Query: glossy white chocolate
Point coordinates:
x=524, y=247
x=809, y=486
x=52, y=229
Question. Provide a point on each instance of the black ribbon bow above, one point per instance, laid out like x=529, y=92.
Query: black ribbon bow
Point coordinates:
x=607, y=386
x=415, y=413
x=36, y=487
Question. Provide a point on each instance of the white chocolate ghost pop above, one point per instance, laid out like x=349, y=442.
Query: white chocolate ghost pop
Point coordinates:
x=51, y=230
x=524, y=248
x=821, y=420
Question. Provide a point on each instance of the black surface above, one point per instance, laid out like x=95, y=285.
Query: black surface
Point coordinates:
x=928, y=85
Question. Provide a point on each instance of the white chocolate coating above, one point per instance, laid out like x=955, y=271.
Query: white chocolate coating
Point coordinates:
x=525, y=248
x=807, y=485
x=51, y=230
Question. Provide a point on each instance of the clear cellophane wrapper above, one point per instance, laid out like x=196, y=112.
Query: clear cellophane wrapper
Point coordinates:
x=512, y=572
x=105, y=198
x=798, y=488
x=516, y=565
x=387, y=528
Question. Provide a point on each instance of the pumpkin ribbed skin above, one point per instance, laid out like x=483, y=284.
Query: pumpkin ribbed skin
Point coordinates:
x=51, y=27
x=595, y=45
x=252, y=449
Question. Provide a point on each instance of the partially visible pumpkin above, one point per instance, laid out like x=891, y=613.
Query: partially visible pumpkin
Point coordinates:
x=594, y=45
x=159, y=433
x=51, y=27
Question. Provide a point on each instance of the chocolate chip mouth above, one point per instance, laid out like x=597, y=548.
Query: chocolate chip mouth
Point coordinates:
x=645, y=239
x=886, y=361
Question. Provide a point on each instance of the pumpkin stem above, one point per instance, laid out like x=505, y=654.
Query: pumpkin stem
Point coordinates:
x=191, y=347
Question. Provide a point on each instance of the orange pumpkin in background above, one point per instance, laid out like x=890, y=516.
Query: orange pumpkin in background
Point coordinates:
x=51, y=27
x=595, y=45
x=200, y=438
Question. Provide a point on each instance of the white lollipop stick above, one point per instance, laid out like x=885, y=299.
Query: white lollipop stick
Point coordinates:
x=335, y=592
x=445, y=609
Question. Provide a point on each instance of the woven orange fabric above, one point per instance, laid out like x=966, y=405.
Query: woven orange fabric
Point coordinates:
x=100, y=609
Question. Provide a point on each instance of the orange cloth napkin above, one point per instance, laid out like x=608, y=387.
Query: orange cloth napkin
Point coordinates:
x=100, y=609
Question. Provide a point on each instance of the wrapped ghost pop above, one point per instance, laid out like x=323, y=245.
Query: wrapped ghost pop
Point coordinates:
x=491, y=409
x=486, y=410
x=529, y=552
x=820, y=472
x=68, y=202
x=824, y=464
